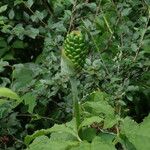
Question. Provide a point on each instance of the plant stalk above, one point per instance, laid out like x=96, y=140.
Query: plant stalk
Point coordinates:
x=76, y=110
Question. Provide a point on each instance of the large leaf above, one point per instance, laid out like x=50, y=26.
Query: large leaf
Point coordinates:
x=95, y=145
x=45, y=143
x=97, y=104
x=137, y=134
x=5, y=92
x=30, y=100
x=98, y=108
x=24, y=74
x=63, y=128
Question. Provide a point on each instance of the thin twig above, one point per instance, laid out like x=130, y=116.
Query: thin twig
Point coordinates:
x=98, y=8
x=72, y=16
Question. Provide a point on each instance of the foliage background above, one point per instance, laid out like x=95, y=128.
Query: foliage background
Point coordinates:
x=31, y=38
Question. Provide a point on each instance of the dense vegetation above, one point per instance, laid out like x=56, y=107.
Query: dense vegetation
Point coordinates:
x=45, y=71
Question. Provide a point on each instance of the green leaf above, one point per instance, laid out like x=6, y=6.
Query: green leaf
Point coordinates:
x=17, y=2
x=110, y=121
x=29, y=3
x=98, y=108
x=31, y=32
x=88, y=134
x=37, y=133
x=11, y=14
x=106, y=137
x=137, y=134
x=18, y=44
x=45, y=143
x=95, y=145
x=62, y=136
x=23, y=75
x=82, y=146
x=5, y=92
x=3, y=8
x=37, y=16
x=66, y=128
x=30, y=100
x=59, y=27
x=5, y=108
x=97, y=104
x=99, y=143
x=90, y=120
x=146, y=45
x=3, y=101
x=126, y=11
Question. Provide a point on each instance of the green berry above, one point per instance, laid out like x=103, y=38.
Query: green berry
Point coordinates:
x=75, y=49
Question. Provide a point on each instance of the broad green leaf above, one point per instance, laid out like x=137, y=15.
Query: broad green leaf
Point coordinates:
x=97, y=96
x=82, y=146
x=90, y=120
x=37, y=133
x=45, y=143
x=3, y=8
x=106, y=137
x=88, y=134
x=98, y=108
x=64, y=128
x=98, y=142
x=5, y=92
x=56, y=128
x=23, y=75
x=110, y=121
x=30, y=100
x=62, y=136
x=137, y=134
x=97, y=104
x=95, y=145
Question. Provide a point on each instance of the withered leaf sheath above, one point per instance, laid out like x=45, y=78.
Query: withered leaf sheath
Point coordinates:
x=75, y=48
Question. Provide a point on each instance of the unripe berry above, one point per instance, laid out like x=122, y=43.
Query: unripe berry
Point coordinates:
x=75, y=48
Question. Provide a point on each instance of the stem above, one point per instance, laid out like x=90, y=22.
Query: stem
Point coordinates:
x=107, y=24
x=76, y=111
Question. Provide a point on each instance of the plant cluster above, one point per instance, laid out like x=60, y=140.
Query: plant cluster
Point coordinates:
x=89, y=58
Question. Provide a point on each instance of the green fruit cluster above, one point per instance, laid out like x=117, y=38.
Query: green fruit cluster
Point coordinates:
x=75, y=48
